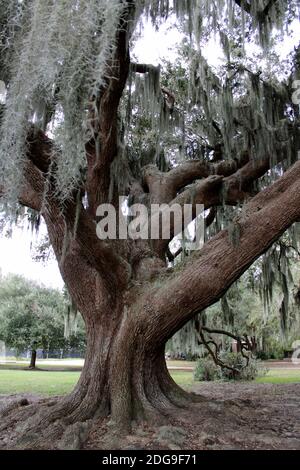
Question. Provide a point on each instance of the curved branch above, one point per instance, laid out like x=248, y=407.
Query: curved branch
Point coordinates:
x=193, y=170
x=214, y=356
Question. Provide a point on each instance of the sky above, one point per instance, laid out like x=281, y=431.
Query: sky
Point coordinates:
x=15, y=252
x=16, y=257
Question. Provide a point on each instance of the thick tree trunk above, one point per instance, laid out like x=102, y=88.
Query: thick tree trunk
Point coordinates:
x=32, y=359
x=124, y=377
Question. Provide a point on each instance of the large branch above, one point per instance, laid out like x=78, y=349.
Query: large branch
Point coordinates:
x=70, y=227
x=98, y=253
x=187, y=172
x=103, y=149
x=75, y=262
x=164, y=186
x=210, y=272
x=216, y=190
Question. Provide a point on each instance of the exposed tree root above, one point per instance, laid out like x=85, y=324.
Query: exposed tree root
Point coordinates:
x=57, y=423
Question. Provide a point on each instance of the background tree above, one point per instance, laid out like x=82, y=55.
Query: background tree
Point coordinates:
x=66, y=148
x=33, y=317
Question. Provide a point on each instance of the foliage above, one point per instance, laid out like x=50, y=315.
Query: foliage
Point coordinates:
x=60, y=51
x=205, y=370
x=32, y=317
x=246, y=371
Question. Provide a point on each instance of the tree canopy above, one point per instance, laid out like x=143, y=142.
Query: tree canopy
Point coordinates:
x=33, y=317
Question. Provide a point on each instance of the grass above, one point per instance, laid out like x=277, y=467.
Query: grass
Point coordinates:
x=185, y=379
x=180, y=363
x=41, y=366
x=37, y=382
x=280, y=376
x=54, y=382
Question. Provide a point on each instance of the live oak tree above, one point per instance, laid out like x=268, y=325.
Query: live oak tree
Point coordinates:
x=67, y=146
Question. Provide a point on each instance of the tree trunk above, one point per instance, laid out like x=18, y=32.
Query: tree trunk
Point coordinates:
x=32, y=359
x=124, y=376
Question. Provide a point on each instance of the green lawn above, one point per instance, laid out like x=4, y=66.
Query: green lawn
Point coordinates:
x=60, y=383
x=183, y=378
x=179, y=363
x=280, y=376
x=40, y=382
x=44, y=367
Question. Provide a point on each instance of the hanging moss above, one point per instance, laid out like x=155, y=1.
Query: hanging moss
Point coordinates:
x=62, y=46
x=54, y=57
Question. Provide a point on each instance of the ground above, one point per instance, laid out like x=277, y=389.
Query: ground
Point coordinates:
x=234, y=416
x=230, y=416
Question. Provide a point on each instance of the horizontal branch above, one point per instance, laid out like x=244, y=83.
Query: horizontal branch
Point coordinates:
x=216, y=190
x=163, y=187
x=189, y=171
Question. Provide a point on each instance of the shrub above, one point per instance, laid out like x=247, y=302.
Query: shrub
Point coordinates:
x=238, y=362
x=275, y=352
x=205, y=370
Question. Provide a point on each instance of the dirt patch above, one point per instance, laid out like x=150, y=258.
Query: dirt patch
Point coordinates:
x=230, y=416
x=234, y=416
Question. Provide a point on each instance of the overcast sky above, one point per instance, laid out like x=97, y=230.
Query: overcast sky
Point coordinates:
x=15, y=253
